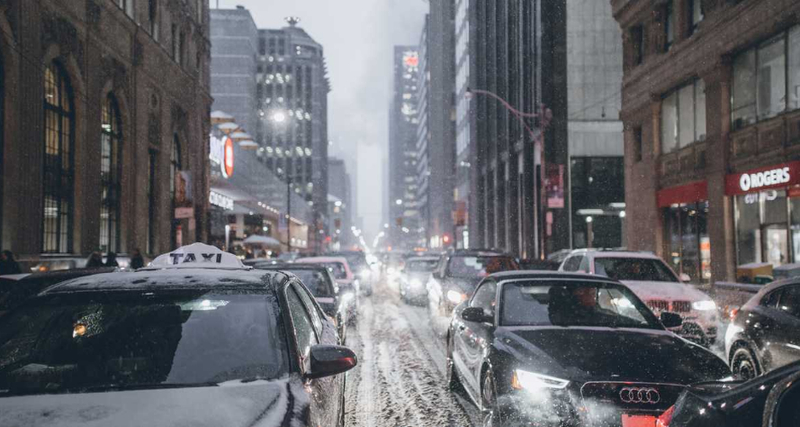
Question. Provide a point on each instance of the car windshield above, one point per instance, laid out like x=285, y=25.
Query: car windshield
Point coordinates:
x=315, y=281
x=634, y=269
x=337, y=269
x=421, y=265
x=479, y=266
x=555, y=303
x=95, y=341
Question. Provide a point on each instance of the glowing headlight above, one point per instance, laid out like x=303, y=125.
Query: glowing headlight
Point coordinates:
x=456, y=297
x=704, y=305
x=415, y=283
x=524, y=380
x=365, y=274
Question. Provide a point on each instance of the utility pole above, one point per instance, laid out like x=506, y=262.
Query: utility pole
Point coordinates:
x=288, y=214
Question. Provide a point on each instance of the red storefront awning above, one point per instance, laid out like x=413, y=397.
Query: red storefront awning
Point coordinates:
x=689, y=193
x=774, y=177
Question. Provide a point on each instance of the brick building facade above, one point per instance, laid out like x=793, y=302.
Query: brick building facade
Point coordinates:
x=105, y=123
x=711, y=111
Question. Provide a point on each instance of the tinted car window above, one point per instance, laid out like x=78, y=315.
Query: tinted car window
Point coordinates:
x=312, y=308
x=636, y=269
x=337, y=269
x=303, y=326
x=66, y=343
x=315, y=281
x=771, y=299
x=484, y=297
x=422, y=266
x=479, y=266
x=790, y=300
x=572, y=263
x=586, y=304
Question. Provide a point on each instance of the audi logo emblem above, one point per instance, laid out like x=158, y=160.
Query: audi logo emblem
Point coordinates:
x=639, y=395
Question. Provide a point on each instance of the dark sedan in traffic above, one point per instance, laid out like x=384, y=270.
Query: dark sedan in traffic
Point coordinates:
x=547, y=348
x=772, y=400
x=765, y=332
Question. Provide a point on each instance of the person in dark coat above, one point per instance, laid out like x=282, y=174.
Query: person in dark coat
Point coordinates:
x=137, y=260
x=111, y=260
x=8, y=265
x=95, y=260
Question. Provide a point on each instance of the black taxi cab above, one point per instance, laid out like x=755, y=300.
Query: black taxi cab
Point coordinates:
x=196, y=338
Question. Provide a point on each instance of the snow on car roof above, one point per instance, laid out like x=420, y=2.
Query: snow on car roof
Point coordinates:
x=321, y=259
x=184, y=278
x=620, y=254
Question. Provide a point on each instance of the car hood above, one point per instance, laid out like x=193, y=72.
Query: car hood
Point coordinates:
x=259, y=403
x=671, y=291
x=596, y=354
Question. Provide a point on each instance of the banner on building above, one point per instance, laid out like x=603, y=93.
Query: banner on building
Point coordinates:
x=554, y=186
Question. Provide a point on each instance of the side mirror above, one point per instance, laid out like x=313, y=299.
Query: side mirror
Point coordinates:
x=671, y=320
x=475, y=314
x=329, y=360
x=685, y=278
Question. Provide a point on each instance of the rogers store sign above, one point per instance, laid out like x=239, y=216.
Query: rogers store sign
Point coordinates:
x=769, y=178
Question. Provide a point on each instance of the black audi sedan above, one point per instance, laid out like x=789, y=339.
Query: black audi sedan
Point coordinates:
x=770, y=400
x=548, y=348
x=194, y=339
x=765, y=332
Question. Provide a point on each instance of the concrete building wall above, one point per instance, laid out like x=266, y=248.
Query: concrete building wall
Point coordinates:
x=104, y=50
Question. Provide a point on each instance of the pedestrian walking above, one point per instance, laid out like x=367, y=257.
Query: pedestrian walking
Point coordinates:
x=137, y=260
x=9, y=265
x=95, y=260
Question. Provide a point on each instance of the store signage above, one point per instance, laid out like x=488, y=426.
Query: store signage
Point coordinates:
x=221, y=152
x=184, y=213
x=221, y=201
x=769, y=178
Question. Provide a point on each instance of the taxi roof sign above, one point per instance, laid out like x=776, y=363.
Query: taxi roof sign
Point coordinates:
x=197, y=255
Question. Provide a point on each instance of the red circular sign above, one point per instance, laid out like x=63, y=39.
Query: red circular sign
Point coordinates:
x=227, y=158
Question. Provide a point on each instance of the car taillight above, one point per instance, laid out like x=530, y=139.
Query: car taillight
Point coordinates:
x=666, y=418
x=733, y=313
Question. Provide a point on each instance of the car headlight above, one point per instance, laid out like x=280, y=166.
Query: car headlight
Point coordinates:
x=704, y=305
x=415, y=283
x=456, y=297
x=524, y=380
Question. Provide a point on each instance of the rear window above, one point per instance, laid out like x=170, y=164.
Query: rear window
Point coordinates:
x=422, y=265
x=337, y=269
x=634, y=269
x=479, y=266
x=315, y=281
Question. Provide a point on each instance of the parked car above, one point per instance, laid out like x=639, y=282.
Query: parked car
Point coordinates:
x=414, y=276
x=357, y=261
x=457, y=274
x=765, y=333
x=197, y=338
x=654, y=282
x=769, y=401
x=340, y=268
x=335, y=302
x=550, y=348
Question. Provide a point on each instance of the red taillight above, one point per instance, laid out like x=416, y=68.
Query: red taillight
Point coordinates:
x=666, y=418
x=734, y=312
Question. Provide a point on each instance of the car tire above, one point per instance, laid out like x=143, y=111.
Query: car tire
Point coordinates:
x=453, y=381
x=744, y=365
x=492, y=417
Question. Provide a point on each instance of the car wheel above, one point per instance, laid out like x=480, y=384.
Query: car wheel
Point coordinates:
x=491, y=413
x=453, y=382
x=744, y=365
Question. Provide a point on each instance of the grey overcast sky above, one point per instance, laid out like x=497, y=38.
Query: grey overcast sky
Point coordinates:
x=358, y=37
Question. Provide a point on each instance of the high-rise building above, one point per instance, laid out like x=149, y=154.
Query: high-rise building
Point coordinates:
x=594, y=78
x=292, y=92
x=340, y=204
x=404, y=213
x=436, y=143
x=234, y=40
x=517, y=53
x=462, y=123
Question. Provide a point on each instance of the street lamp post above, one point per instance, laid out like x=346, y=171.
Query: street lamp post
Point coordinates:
x=545, y=115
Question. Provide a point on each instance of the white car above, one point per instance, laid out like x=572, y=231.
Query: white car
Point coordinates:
x=653, y=281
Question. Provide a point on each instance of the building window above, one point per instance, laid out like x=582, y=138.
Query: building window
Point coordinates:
x=669, y=24
x=766, y=80
x=110, y=188
x=177, y=44
x=59, y=178
x=637, y=144
x=689, y=243
x=683, y=117
x=199, y=9
x=174, y=172
x=127, y=6
x=762, y=223
x=152, y=14
x=694, y=9
x=638, y=44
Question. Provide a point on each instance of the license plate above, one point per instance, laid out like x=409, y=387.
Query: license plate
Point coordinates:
x=638, y=420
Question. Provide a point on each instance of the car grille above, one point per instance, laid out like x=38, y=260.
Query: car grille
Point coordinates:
x=658, y=305
x=601, y=395
x=681, y=306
